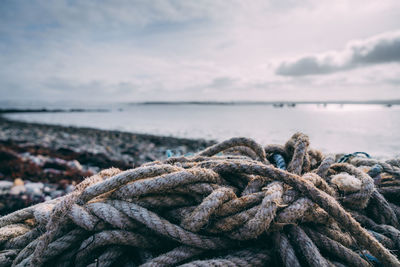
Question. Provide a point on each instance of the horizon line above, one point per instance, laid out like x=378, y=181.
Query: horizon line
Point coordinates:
x=286, y=102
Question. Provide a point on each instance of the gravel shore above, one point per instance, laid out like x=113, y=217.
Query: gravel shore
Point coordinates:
x=39, y=162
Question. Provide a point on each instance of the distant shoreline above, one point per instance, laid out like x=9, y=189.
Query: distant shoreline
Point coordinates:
x=45, y=110
x=369, y=102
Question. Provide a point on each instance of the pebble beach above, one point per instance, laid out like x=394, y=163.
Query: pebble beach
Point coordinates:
x=39, y=162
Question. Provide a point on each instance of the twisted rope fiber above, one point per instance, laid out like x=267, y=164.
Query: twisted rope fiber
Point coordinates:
x=306, y=247
x=230, y=209
x=108, y=257
x=341, y=252
x=285, y=250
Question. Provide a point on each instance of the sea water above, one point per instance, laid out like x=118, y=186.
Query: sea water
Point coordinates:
x=332, y=128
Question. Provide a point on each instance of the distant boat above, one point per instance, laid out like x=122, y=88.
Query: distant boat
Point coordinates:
x=389, y=105
x=278, y=105
x=292, y=105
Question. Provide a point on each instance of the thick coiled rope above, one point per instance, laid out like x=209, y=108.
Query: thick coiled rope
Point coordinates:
x=226, y=206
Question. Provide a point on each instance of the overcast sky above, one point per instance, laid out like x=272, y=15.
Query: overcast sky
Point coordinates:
x=199, y=50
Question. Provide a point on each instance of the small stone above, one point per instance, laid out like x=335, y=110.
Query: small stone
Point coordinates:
x=74, y=164
x=5, y=185
x=56, y=193
x=47, y=189
x=18, y=189
x=18, y=181
x=70, y=189
x=35, y=189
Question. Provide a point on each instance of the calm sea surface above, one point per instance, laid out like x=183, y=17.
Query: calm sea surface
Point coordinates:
x=335, y=128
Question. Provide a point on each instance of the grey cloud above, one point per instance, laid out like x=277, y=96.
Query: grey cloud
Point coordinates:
x=222, y=82
x=380, y=49
x=95, y=89
x=42, y=15
x=394, y=81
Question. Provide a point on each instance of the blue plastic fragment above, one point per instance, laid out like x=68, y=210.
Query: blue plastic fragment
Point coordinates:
x=279, y=161
x=169, y=153
x=173, y=153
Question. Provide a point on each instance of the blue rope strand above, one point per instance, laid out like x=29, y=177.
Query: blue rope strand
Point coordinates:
x=279, y=161
x=375, y=170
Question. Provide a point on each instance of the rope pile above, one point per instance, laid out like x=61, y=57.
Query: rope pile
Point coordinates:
x=234, y=204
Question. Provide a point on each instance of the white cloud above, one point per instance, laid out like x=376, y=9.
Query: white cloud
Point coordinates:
x=384, y=48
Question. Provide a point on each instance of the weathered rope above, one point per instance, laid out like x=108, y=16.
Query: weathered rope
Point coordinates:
x=236, y=142
x=285, y=250
x=226, y=209
x=108, y=257
x=337, y=250
x=174, y=256
x=306, y=247
x=245, y=257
